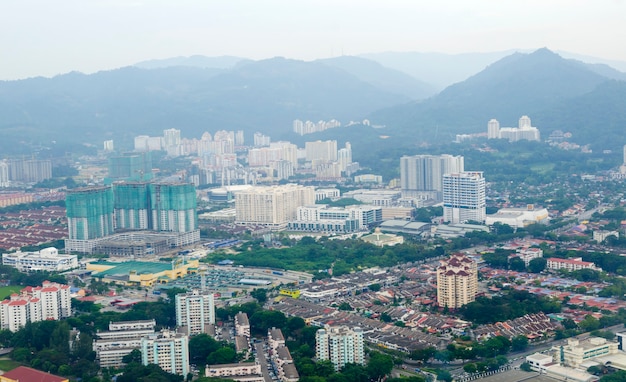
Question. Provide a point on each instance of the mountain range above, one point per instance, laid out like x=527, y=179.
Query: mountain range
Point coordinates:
x=253, y=96
x=197, y=94
x=535, y=84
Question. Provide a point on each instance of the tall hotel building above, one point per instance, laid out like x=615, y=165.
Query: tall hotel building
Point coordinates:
x=457, y=281
x=464, y=197
x=272, y=206
x=89, y=216
x=340, y=345
x=195, y=311
x=421, y=176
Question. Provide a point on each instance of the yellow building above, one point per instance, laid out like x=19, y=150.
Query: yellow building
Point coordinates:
x=293, y=293
x=146, y=274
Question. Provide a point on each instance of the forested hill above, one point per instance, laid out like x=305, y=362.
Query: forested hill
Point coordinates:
x=253, y=96
x=542, y=85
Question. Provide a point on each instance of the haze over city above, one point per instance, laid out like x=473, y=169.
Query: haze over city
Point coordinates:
x=312, y=191
x=43, y=38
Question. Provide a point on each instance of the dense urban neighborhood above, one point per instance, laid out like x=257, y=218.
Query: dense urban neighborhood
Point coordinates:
x=201, y=259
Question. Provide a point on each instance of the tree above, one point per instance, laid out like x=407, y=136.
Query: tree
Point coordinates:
x=525, y=367
x=444, y=375
x=519, y=343
x=222, y=314
x=222, y=355
x=423, y=354
x=470, y=368
x=444, y=356
x=354, y=373
x=517, y=264
x=260, y=295
x=294, y=324
x=83, y=348
x=537, y=265
x=374, y=287
x=568, y=323
x=379, y=366
x=324, y=368
x=59, y=338
x=501, y=360
x=65, y=370
x=133, y=356
x=590, y=323
x=344, y=306
x=200, y=346
x=385, y=317
x=263, y=320
x=595, y=370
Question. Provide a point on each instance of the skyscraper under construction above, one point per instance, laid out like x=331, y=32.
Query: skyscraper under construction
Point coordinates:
x=167, y=207
x=173, y=207
x=132, y=205
x=132, y=209
x=90, y=213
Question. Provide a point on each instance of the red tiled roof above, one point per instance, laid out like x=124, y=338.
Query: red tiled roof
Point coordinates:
x=23, y=373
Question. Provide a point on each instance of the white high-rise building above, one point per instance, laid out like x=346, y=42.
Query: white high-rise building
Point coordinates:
x=239, y=141
x=421, y=176
x=108, y=145
x=493, y=129
x=51, y=301
x=171, y=137
x=464, y=197
x=195, y=311
x=344, y=156
x=261, y=140
x=167, y=349
x=524, y=131
x=172, y=142
x=524, y=122
x=4, y=174
x=147, y=143
x=282, y=169
x=457, y=281
x=263, y=156
x=321, y=150
x=340, y=345
x=272, y=206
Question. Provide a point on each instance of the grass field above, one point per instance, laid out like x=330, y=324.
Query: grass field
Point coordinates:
x=542, y=168
x=8, y=364
x=7, y=290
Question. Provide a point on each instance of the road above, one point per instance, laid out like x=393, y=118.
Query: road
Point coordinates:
x=260, y=356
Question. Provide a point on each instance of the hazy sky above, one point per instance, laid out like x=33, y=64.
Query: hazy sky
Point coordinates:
x=48, y=37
